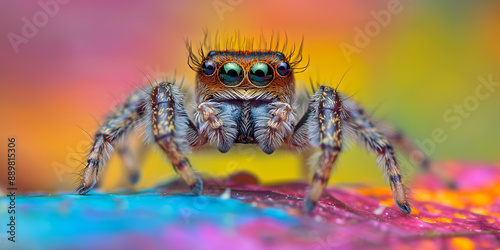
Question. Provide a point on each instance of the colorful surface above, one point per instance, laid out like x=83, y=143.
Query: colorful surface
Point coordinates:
x=423, y=70
x=90, y=54
x=251, y=216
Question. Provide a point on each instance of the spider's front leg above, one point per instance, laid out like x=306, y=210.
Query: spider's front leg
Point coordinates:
x=320, y=126
x=173, y=131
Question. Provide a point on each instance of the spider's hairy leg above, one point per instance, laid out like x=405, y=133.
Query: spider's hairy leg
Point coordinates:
x=115, y=126
x=173, y=131
x=131, y=160
x=404, y=143
x=321, y=126
x=366, y=131
x=273, y=124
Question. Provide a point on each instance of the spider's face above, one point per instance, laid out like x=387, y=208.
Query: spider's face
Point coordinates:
x=230, y=75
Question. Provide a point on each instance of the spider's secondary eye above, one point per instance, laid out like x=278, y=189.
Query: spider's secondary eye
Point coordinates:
x=283, y=68
x=208, y=68
x=261, y=74
x=231, y=74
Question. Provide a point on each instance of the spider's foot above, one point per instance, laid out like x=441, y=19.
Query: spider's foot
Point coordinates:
x=403, y=206
x=406, y=208
x=449, y=182
x=309, y=205
x=197, y=187
x=452, y=185
x=133, y=178
x=83, y=189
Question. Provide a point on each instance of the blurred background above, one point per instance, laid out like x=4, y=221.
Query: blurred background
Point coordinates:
x=428, y=67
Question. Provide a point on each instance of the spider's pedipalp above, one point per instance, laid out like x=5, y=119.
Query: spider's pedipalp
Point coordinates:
x=273, y=123
x=218, y=123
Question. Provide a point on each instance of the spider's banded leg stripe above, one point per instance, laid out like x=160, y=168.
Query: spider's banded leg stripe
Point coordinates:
x=378, y=142
x=386, y=154
x=330, y=135
x=164, y=130
x=404, y=143
x=117, y=123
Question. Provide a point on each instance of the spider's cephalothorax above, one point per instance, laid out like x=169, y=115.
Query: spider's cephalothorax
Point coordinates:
x=246, y=97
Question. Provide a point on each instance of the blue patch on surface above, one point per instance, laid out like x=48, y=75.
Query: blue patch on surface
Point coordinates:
x=64, y=220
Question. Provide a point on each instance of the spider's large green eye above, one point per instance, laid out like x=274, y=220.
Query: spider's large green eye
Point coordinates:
x=231, y=74
x=261, y=74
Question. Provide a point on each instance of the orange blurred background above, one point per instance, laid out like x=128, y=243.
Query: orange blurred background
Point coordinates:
x=83, y=57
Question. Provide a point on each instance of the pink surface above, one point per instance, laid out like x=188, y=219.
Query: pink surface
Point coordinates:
x=366, y=217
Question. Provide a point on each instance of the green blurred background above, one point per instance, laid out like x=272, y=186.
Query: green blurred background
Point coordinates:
x=414, y=63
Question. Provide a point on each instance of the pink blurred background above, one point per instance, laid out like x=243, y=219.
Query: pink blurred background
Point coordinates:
x=90, y=54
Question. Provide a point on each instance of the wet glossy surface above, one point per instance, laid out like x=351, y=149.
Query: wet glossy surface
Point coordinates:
x=250, y=216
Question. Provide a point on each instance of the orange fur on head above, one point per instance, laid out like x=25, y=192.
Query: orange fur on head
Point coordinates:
x=244, y=53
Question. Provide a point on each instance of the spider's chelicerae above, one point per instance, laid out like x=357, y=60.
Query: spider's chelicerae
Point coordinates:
x=248, y=97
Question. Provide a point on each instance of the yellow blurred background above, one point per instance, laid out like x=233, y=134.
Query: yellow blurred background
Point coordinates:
x=417, y=63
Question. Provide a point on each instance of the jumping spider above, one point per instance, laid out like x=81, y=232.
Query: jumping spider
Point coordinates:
x=248, y=97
